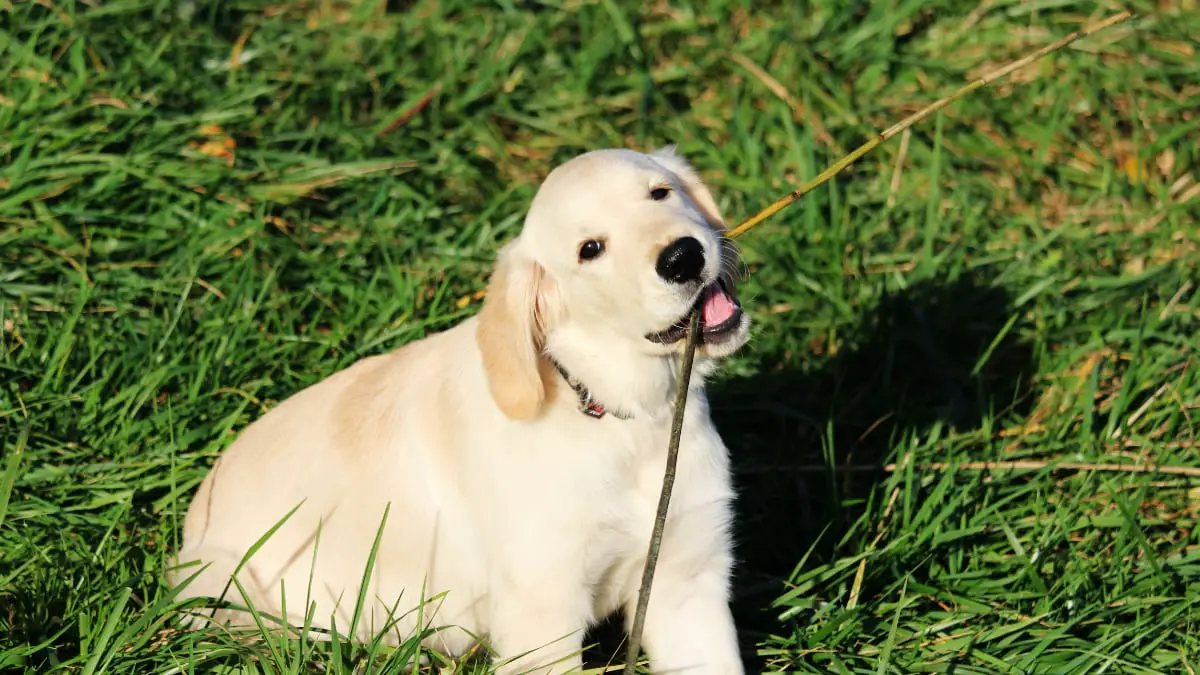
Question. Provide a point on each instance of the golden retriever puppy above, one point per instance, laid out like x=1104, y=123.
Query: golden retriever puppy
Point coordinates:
x=518, y=456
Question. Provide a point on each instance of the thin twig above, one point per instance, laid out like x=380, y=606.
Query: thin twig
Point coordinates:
x=799, y=113
x=895, y=186
x=907, y=122
x=1035, y=465
x=1011, y=465
x=411, y=111
x=664, y=499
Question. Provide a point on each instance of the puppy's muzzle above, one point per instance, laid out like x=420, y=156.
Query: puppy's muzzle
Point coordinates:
x=720, y=317
x=682, y=262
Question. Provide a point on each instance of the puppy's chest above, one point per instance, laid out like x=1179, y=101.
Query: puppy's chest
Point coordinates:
x=622, y=513
x=618, y=535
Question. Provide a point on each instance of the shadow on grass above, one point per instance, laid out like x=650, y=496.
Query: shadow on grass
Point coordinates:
x=935, y=352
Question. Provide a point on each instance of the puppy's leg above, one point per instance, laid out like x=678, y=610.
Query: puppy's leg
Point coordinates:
x=689, y=627
x=538, y=628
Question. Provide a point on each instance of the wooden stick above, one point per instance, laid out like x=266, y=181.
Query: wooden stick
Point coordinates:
x=664, y=499
x=837, y=167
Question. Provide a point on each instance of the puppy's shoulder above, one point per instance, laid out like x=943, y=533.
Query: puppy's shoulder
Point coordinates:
x=386, y=394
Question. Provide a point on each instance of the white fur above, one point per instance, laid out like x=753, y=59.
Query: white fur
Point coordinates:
x=528, y=520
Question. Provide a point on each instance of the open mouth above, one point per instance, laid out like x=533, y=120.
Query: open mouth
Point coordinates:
x=720, y=315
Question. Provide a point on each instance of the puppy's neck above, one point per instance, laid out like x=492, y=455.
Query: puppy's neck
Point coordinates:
x=619, y=376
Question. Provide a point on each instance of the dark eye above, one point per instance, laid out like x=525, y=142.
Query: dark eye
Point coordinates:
x=592, y=248
x=659, y=193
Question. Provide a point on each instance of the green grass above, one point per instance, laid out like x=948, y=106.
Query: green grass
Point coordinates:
x=183, y=244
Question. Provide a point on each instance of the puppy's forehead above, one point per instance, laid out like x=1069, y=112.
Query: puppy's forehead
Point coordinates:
x=599, y=169
x=595, y=183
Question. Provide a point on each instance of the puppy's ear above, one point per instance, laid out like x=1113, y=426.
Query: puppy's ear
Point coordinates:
x=692, y=184
x=511, y=335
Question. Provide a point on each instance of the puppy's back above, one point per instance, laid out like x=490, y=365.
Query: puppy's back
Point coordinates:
x=350, y=444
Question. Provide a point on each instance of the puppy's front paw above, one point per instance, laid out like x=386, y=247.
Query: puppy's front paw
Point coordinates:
x=530, y=638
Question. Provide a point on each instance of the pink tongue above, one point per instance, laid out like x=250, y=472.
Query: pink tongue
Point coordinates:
x=718, y=307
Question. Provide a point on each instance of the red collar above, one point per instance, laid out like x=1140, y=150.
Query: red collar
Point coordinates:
x=587, y=405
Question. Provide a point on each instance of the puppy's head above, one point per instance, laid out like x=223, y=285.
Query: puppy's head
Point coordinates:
x=618, y=242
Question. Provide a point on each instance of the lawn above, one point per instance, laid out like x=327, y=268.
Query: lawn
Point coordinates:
x=205, y=207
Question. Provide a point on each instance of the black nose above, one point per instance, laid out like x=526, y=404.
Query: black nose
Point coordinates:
x=681, y=261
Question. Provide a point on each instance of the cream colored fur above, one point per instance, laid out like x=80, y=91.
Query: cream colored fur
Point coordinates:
x=528, y=520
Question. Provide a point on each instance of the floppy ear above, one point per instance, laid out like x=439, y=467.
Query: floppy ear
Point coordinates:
x=511, y=335
x=695, y=188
